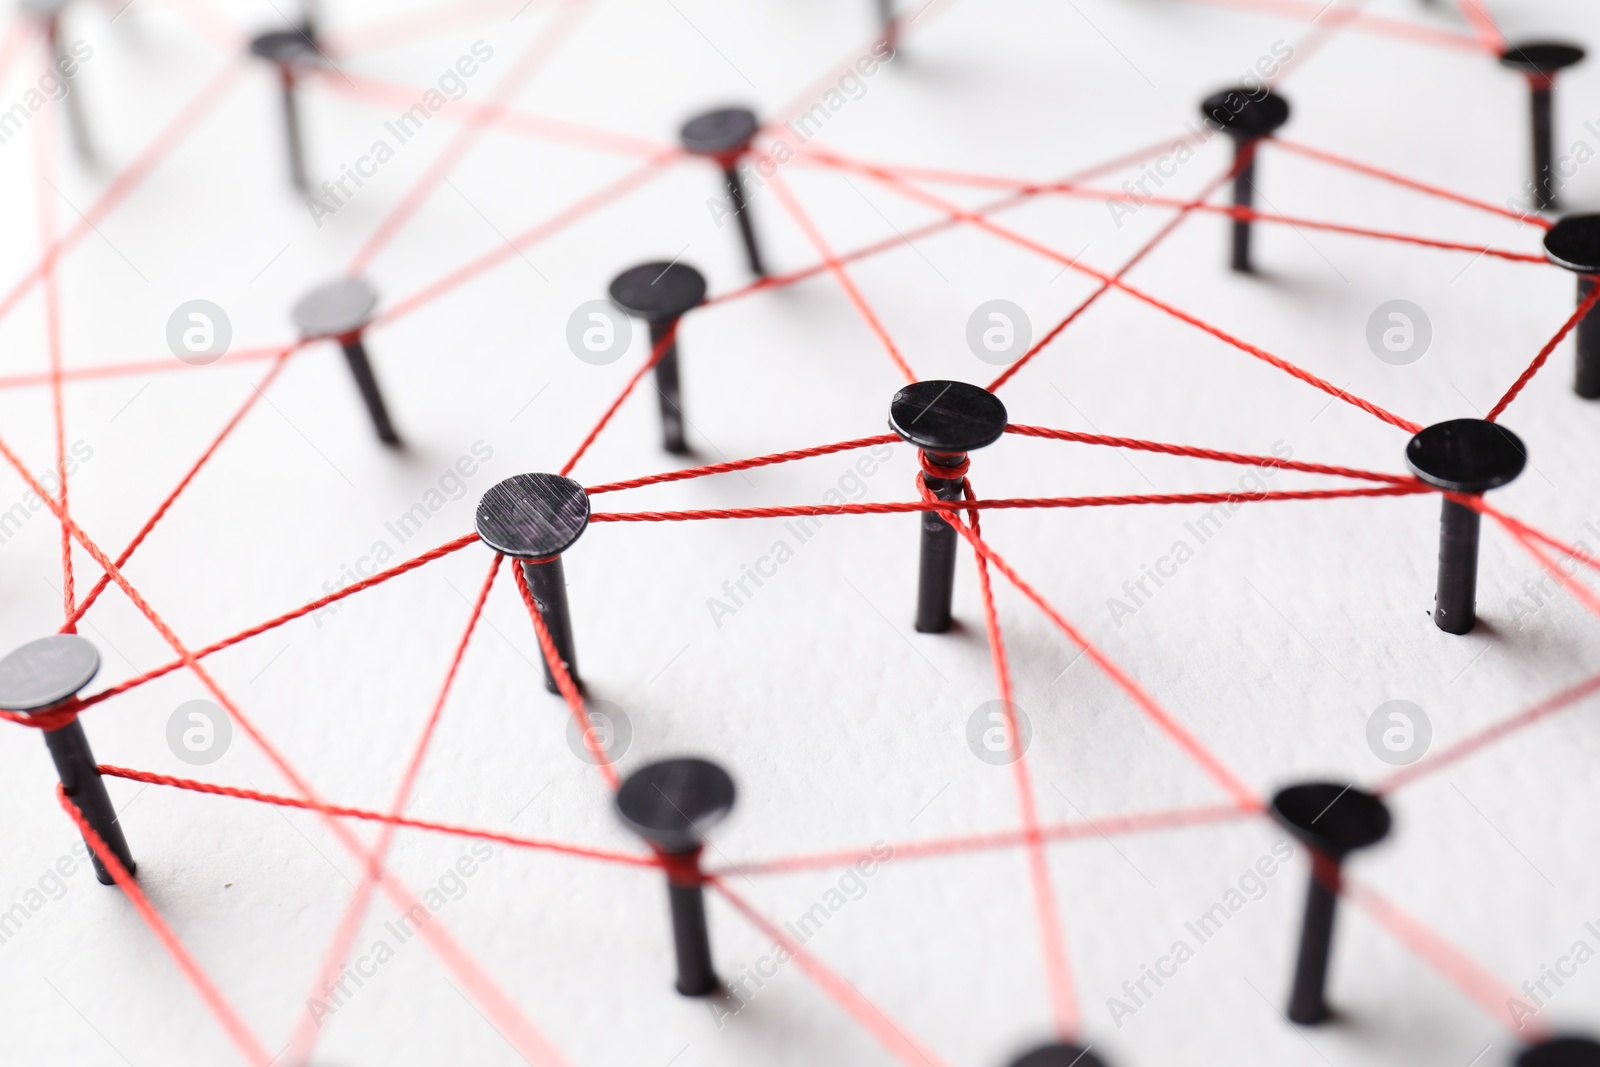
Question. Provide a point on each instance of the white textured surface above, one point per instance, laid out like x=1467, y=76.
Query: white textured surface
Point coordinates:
x=1273, y=645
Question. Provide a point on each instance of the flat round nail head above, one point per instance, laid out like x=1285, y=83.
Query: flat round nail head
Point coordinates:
x=533, y=516
x=720, y=132
x=1574, y=243
x=1565, y=1051
x=1058, y=1055
x=337, y=308
x=674, y=802
x=1245, y=112
x=658, y=292
x=1542, y=57
x=283, y=46
x=947, y=417
x=1334, y=819
x=1466, y=455
x=43, y=673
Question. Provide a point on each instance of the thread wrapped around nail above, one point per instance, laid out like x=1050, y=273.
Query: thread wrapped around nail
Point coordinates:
x=932, y=469
x=683, y=868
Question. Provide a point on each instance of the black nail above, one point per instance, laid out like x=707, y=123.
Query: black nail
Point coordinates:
x=43, y=676
x=945, y=420
x=660, y=293
x=342, y=310
x=725, y=135
x=534, y=518
x=671, y=804
x=1540, y=62
x=1468, y=456
x=1332, y=821
x=1574, y=243
x=288, y=50
x=1248, y=116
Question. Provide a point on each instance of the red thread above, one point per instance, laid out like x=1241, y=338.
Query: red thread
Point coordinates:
x=1584, y=307
x=234, y=1026
x=1032, y=834
x=950, y=220
x=1409, y=183
x=934, y=469
x=780, y=188
x=1489, y=34
x=1242, y=794
x=683, y=868
x=564, y=682
x=210, y=95
x=1208, y=453
x=983, y=505
x=1480, y=740
x=659, y=350
x=1452, y=964
x=540, y=51
x=289, y=616
x=505, y=119
x=44, y=148
x=183, y=483
x=888, y=1033
x=304, y=1039
x=743, y=464
x=1144, y=822
x=497, y=1006
x=1149, y=246
x=507, y=249
x=120, y=370
x=1361, y=20
x=1183, y=316
x=55, y=718
x=416, y=25
x=345, y=812
x=1052, y=938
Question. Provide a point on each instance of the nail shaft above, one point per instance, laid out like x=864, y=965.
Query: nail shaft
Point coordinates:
x=291, y=126
x=1307, y=1000
x=1587, y=384
x=80, y=779
x=547, y=581
x=1544, y=179
x=690, y=937
x=741, y=203
x=1458, y=568
x=667, y=387
x=937, y=569
x=1244, y=192
x=355, y=353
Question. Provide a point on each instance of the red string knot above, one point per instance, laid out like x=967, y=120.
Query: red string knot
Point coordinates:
x=932, y=469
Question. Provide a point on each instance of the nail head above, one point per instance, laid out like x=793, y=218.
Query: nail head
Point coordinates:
x=717, y=133
x=533, y=516
x=947, y=417
x=658, y=292
x=673, y=802
x=1245, y=112
x=43, y=673
x=1466, y=455
x=339, y=307
x=1333, y=819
